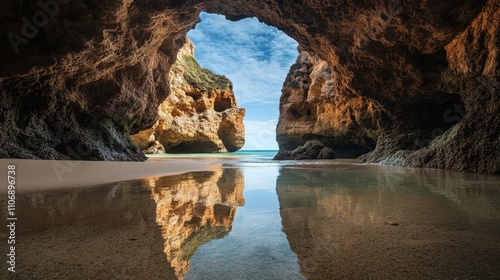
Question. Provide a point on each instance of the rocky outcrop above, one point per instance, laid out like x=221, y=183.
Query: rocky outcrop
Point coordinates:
x=200, y=114
x=436, y=128
x=78, y=77
x=312, y=149
x=311, y=108
x=153, y=147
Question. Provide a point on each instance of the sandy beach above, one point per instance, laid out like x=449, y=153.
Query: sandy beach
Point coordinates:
x=312, y=220
x=45, y=175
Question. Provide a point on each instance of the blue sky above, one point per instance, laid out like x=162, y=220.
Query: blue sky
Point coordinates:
x=256, y=57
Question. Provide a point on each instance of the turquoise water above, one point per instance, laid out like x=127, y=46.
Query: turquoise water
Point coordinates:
x=255, y=218
x=246, y=156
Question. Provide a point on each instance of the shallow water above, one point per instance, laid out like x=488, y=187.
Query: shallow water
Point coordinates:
x=254, y=218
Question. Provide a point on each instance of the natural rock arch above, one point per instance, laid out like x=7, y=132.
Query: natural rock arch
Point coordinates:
x=82, y=75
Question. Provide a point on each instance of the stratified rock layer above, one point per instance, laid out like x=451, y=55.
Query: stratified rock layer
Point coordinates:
x=77, y=84
x=200, y=114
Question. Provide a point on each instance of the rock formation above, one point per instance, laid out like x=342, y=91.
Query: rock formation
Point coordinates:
x=78, y=77
x=310, y=108
x=312, y=149
x=200, y=114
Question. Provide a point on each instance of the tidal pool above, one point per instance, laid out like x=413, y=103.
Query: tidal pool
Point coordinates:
x=260, y=219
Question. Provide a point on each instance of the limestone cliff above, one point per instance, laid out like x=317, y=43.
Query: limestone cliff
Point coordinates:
x=199, y=115
x=311, y=109
x=79, y=80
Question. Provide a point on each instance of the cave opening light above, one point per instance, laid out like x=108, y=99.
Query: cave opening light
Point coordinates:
x=256, y=58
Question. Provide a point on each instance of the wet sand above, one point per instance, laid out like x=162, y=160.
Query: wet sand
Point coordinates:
x=340, y=221
x=366, y=223
x=45, y=175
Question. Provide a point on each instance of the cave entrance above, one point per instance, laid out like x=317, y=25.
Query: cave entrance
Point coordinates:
x=256, y=58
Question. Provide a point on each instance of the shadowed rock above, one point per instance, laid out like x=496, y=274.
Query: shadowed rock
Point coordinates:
x=313, y=149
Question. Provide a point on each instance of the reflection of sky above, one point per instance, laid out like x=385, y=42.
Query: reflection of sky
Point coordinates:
x=256, y=248
x=261, y=178
x=353, y=204
x=256, y=57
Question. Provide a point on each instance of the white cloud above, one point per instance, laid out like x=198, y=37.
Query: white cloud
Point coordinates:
x=256, y=57
x=260, y=135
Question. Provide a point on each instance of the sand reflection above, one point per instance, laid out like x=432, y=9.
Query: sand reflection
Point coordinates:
x=123, y=230
x=387, y=223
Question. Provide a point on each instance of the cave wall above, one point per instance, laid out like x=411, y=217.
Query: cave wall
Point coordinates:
x=89, y=75
x=84, y=79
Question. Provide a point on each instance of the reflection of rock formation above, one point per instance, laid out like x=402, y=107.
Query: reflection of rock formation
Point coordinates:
x=195, y=208
x=356, y=224
x=122, y=231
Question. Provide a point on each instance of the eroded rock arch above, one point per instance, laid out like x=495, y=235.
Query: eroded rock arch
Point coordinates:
x=77, y=81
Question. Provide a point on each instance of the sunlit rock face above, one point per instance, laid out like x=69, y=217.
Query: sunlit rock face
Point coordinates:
x=311, y=108
x=199, y=115
x=389, y=223
x=193, y=209
x=79, y=83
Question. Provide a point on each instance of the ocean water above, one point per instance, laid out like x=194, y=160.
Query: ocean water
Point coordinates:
x=254, y=218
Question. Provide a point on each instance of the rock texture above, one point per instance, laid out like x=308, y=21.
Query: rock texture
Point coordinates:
x=77, y=82
x=428, y=118
x=200, y=114
x=312, y=149
x=311, y=108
